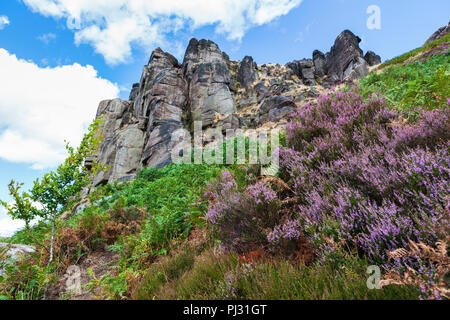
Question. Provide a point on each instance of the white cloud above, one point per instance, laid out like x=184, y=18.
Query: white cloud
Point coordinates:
x=47, y=37
x=112, y=27
x=8, y=226
x=2, y=211
x=4, y=21
x=42, y=107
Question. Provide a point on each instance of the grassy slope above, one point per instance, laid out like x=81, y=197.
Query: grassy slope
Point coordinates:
x=157, y=262
x=419, y=79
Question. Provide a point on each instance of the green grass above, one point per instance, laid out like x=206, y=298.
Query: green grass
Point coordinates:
x=421, y=84
x=169, y=195
x=211, y=276
x=403, y=58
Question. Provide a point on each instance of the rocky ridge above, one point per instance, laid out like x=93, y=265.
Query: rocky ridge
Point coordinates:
x=439, y=33
x=207, y=86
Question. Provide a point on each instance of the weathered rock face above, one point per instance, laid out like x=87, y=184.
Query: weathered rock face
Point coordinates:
x=211, y=88
x=247, y=72
x=206, y=69
x=304, y=69
x=345, y=60
x=159, y=61
x=320, y=63
x=134, y=92
x=166, y=101
x=439, y=33
x=122, y=144
x=273, y=109
x=372, y=58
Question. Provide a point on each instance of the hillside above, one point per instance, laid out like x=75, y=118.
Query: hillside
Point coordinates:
x=363, y=181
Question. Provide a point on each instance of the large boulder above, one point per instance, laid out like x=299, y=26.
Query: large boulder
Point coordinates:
x=304, y=69
x=320, y=63
x=15, y=251
x=261, y=91
x=275, y=108
x=247, y=73
x=357, y=68
x=345, y=60
x=372, y=58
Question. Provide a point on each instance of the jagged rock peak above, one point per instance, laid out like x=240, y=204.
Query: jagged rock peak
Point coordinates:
x=344, y=53
x=163, y=58
x=345, y=61
x=372, y=58
x=439, y=33
x=203, y=51
x=320, y=63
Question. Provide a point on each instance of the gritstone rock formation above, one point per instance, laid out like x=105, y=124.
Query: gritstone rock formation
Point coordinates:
x=208, y=87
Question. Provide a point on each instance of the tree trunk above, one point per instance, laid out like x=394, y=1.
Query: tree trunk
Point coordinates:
x=52, y=240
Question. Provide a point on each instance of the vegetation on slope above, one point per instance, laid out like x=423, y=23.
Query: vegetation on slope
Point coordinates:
x=422, y=83
x=357, y=181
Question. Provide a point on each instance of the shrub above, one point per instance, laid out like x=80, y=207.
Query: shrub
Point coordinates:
x=362, y=175
x=24, y=280
x=422, y=83
x=94, y=230
x=249, y=218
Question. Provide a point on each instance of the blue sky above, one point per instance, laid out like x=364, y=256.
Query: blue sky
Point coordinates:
x=59, y=59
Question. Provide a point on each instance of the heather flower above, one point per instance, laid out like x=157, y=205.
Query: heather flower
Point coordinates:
x=287, y=231
x=242, y=216
x=261, y=193
x=359, y=173
x=362, y=177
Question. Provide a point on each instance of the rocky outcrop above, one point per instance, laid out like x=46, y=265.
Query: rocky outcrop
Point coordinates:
x=345, y=60
x=247, y=72
x=304, y=69
x=206, y=70
x=372, y=58
x=122, y=141
x=208, y=87
x=439, y=33
x=13, y=252
x=320, y=63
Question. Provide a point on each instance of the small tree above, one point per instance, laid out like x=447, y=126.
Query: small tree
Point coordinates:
x=55, y=188
x=22, y=208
